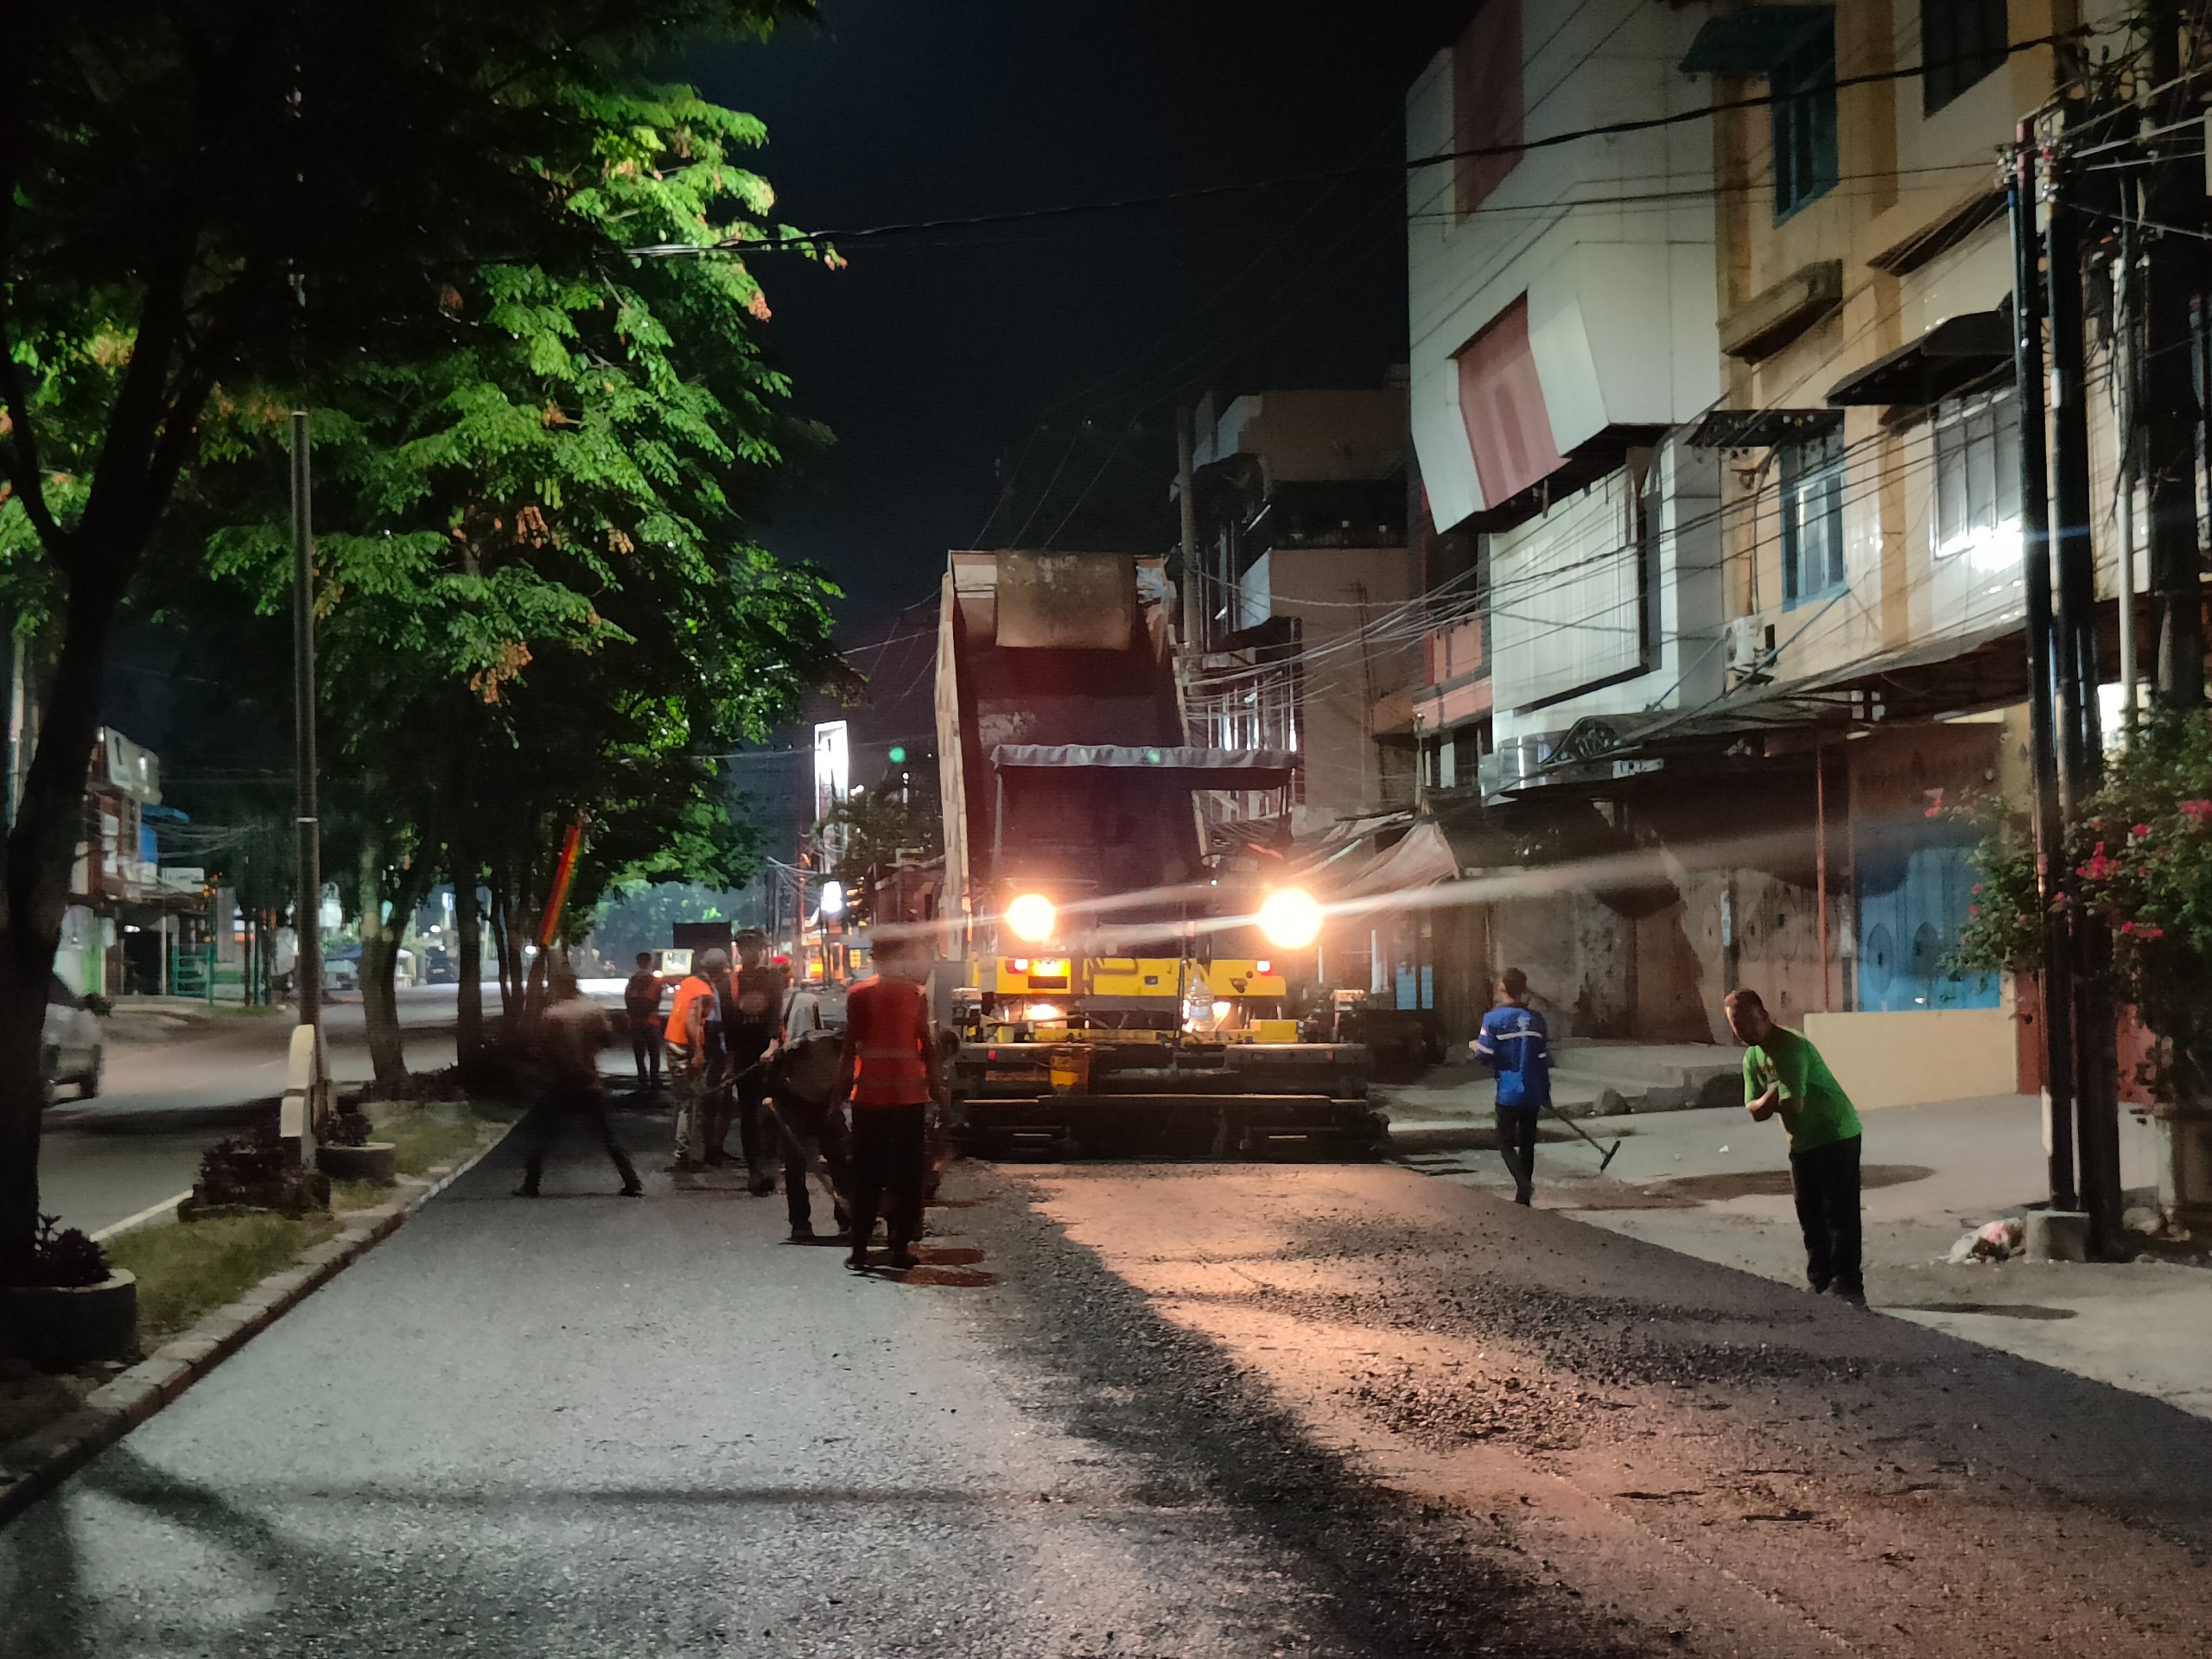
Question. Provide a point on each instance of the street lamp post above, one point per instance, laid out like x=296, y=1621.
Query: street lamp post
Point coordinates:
x=307, y=1069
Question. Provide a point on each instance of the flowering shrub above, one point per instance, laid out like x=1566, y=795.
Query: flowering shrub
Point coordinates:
x=2142, y=860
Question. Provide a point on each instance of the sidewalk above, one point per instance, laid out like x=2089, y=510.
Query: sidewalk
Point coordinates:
x=1713, y=1185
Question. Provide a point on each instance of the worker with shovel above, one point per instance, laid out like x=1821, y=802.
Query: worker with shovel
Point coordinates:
x=799, y=1084
x=1516, y=1042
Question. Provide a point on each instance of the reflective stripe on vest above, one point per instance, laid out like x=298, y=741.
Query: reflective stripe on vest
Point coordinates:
x=886, y=1020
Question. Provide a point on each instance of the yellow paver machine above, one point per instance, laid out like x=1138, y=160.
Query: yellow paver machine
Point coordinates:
x=1114, y=994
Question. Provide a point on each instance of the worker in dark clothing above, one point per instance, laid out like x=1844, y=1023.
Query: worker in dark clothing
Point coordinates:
x=801, y=1088
x=889, y=1073
x=753, y=997
x=641, y=1002
x=564, y=1074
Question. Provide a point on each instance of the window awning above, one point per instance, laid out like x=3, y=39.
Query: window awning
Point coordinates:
x=1752, y=40
x=1761, y=429
x=1422, y=859
x=1943, y=362
x=1981, y=667
x=1197, y=768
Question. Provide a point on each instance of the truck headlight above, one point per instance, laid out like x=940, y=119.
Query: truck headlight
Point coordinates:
x=1290, y=919
x=1032, y=916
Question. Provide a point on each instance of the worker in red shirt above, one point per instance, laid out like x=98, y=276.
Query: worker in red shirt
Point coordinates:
x=641, y=1002
x=890, y=1075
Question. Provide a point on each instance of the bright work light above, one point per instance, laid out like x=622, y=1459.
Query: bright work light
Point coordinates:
x=833, y=899
x=1290, y=919
x=1032, y=916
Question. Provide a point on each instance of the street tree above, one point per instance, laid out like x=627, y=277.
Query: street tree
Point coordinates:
x=535, y=548
x=220, y=194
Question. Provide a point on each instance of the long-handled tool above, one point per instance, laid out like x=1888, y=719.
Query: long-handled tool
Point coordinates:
x=1585, y=1134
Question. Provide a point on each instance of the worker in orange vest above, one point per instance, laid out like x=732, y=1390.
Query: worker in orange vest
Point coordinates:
x=890, y=1075
x=687, y=1056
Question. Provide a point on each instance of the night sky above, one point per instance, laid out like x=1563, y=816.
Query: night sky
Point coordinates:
x=1012, y=383
x=1017, y=383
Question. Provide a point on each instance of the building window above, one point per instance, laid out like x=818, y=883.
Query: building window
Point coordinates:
x=1486, y=71
x=1812, y=519
x=1978, y=476
x=1961, y=42
x=1803, y=84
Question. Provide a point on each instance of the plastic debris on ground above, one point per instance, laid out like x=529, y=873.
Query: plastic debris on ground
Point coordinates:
x=1994, y=1240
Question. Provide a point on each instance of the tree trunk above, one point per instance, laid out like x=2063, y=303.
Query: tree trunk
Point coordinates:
x=41, y=849
x=502, y=951
x=468, y=944
x=379, y=956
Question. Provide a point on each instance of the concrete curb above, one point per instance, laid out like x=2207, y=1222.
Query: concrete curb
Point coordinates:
x=35, y=1465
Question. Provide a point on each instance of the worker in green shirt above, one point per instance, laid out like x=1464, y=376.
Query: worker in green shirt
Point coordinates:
x=1784, y=1074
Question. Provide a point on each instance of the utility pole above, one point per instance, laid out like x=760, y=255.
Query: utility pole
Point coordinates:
x=2057, y=981
x=1186, y=497
x=309, y=923
x=2174, y=210
x=2081, y=737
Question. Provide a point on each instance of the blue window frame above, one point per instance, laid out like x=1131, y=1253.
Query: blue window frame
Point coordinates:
x=1803, y=84
x=1812, y=519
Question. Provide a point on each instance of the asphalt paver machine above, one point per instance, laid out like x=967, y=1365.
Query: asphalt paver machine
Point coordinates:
x=1111, y=993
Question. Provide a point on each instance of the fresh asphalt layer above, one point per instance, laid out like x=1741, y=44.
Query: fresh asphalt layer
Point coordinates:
x=1188, y=1411
x=591, y=1425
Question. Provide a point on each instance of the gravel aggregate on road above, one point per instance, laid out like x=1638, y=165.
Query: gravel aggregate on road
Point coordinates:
x=1691, y=1448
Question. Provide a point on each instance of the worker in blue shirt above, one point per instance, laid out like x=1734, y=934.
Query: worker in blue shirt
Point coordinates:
x=1515, y=1042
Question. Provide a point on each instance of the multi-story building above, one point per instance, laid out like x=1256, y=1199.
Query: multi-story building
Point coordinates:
x=1711, y=397
x=1302, y=605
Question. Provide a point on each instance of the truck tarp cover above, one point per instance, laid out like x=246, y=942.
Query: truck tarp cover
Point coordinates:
x=1196, y=768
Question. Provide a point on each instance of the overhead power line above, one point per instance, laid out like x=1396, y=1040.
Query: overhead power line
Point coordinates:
x=811, y=240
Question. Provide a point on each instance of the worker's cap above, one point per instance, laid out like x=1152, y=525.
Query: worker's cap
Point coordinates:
x=713, y=961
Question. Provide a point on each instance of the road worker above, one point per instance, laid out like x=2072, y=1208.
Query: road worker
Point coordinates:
x=752, y=1000
x=687, y=1056
x=564, y=1072
x=890, y=1075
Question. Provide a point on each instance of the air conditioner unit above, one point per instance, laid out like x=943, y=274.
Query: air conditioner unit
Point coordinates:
x=1751, y=650
x=1518, y=761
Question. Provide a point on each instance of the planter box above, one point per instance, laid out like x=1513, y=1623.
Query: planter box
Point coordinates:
x=55, y=1326
x=374, y=1161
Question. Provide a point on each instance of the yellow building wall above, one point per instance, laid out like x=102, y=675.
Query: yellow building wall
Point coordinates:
x=1915, y=1058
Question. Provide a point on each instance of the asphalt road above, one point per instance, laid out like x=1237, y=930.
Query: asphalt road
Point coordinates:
x=1159, y=1411
x=592, y=1427
x=165, y=1099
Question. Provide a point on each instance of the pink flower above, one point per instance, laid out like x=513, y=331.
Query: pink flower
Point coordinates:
x=2199, y=813
x=2147, y=931
x=2128, y=927
x=1977, y=887
x=2140, y=832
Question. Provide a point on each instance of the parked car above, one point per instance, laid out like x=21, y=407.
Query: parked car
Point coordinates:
x=73, y=1049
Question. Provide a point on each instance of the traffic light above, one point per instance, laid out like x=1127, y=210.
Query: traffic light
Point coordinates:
x=898, y=756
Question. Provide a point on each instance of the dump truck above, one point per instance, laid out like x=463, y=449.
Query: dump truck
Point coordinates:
x=1110, y=991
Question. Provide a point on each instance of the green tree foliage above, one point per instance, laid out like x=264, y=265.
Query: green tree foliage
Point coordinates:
x=2140, y=859
x=218, y=195
x=640, y=915
x=900, y=820
x=538, y=598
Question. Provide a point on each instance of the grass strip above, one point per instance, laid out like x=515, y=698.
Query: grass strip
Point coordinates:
x=420, y=1140
x=190, y=1267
